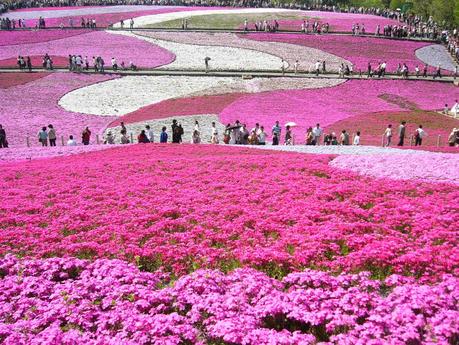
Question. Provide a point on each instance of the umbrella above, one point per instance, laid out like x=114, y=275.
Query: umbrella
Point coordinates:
x=291, y=124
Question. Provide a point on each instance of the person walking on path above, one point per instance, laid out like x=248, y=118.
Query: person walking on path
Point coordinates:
x=419, y=135
x=317, y=133
x=43, y=137
x=3, y=141
x=85, y=136
x=150, y=134
x=142, y=138
x=357, y=139
x=288, y=136
x=214, y=134
x=277, y=129
x=401, y=133
x=51, y=135
x=388, y=136
x=206, y=63
x=163, y=136
x=29, y=64
x=344, y=138
x=71, y=141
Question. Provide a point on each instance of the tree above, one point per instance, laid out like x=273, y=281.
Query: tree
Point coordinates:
x=422, y=8
x=394, y=4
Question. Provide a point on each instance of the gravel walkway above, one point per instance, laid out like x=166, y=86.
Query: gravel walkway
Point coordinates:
x=435, y=54
x=340, y=150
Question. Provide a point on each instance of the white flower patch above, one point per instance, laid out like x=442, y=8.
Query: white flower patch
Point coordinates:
x=436, y=54
x=191, y=57
x=306, y=56
x=164, y=17
x=187, y=122
x=125, y=95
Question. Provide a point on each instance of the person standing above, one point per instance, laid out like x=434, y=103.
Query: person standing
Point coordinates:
x=295, y=66
x=401, y=133
x=29, y=64
x=163, y=136
x=175, y=132
x=196, y=137
x=85, y=136
x=357, y=139
x=71, y=141
x=317, y=133
x=131, y=24
x=388, y=135
x=277, y=129
x=262, y=136
x=317, y=67
x=3, y=141
x=288, y=136
x=206, y=63
x=150, y=134
x=142, y=137
x=214, y=134
x=344, y=138
x=51, y=135
x=43, y=136
x=419, y=135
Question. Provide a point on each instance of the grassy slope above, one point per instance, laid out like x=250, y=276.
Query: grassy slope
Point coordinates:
x=225, y=21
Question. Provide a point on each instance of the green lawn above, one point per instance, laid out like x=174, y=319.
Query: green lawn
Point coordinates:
x=226, y=21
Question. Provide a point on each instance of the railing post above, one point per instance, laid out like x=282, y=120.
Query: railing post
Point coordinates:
x=97, y=139
x=411, y=140
x=28, y=141
x=62, y=140
x=438, y=140
x=132, y=138
x=382, y=140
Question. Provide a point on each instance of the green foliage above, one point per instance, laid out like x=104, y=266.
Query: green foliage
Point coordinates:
x=443, y=12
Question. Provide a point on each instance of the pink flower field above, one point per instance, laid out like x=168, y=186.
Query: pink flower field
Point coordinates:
x=180, y=244
x=96, y=206
x=330, y=105
x=358, y=50
x=24, y=110
x=341, y=22
x=71, y=301
x=16, y=37
x=140, y=52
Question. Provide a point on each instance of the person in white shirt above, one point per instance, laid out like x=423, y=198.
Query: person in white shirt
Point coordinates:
x=262, y=136
x=388, y=135
x=317, y=67
x=419, y=135
x=149, y=133
x=455, y=109
x=114, y=64
x=214, y=134
x=295, y=66
x=357, y=139
x=317, y=133
x=71, y=141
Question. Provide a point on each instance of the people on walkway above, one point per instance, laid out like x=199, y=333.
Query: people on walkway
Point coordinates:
x=3, y=140
x=109, y=138
x=86, y=136
x=401, y=133
x=288, y=136
x=52, y=135
x=419, y=135
x=43, y=136
x=142, y=137
x=453, y=138
x=344, y=138
x=317, y=133
x=150, y=134
x=196, y=137
x=356, y=141
x=388, y=136
x=71, y=141
x=163, y=135
x=214, y=134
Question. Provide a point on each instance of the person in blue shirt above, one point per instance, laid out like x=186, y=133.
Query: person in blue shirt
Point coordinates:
x=163, y=136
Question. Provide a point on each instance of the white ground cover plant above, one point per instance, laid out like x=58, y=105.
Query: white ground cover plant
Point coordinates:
x=306, y=56
x=124, y=95
x=436, y=54
x=191, y=57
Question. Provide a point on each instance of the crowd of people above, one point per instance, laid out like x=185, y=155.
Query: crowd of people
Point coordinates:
x=239, y=134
